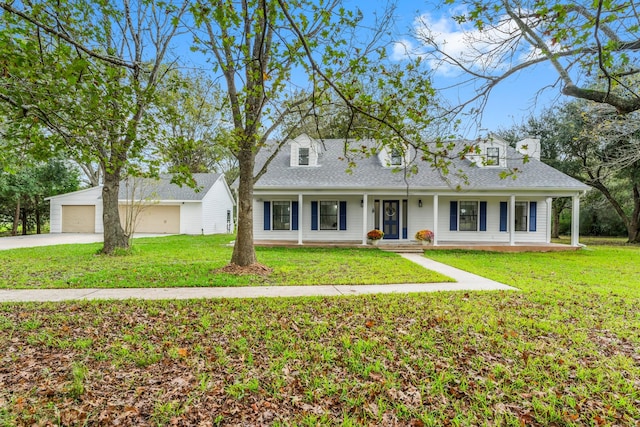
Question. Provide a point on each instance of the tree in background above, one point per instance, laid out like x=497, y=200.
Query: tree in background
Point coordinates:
x=23, y=190
x=80, y=79
x=193, y=114
x=599, y=147
x=502, y=38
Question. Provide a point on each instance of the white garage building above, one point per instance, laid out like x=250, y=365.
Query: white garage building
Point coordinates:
x=162, y=207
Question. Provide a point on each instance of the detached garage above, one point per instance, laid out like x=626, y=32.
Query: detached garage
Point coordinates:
x=151, y=206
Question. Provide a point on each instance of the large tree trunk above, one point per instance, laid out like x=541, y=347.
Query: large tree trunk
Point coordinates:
x=114, y=236
x=16, y=218
x=244, y=253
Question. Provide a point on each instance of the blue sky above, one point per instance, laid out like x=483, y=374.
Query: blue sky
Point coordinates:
x=511, y=101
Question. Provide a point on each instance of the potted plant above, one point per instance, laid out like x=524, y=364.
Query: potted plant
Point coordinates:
x=374, y=236
x=425, y=236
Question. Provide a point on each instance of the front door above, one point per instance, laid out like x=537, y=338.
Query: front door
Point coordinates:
x=391, y=219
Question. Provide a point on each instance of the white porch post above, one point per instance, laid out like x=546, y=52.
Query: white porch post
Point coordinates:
x=575, y=221
x=300, y=216
x=365, y=209
x=549, y=219
x=435, y=220
x=512, y=220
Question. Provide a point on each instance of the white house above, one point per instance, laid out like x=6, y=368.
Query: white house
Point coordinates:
x=308, y=195
x=163, y=207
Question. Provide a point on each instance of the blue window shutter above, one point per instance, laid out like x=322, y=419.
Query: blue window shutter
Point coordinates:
x=503, y=216
x=483, y=216
x=267, y=215
x=314, y=215
x=453, y=216
x=294, y=215
x=343, y=215
x=533, y=210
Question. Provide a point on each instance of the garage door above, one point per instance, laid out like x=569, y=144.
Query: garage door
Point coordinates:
x=156, y=219
x=78, y=219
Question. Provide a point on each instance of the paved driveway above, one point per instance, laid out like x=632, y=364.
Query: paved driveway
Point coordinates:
x=33, y=240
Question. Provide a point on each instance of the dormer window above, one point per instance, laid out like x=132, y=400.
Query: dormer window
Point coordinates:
x=303, y=156
x=396, y=157
x=493, y=156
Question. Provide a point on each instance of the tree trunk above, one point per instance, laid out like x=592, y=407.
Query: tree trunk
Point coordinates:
x=114, y=236
x=555, y=229
x=38, y=216
x=24, y=221
x=244, y=253
x=16, y=219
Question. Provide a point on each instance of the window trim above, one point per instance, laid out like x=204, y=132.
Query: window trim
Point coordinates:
x=396, y=157
x=493, y=160
x=307, y=156
x=337, y=215
x=477, y=202
x=273, y=215
x=527, y=211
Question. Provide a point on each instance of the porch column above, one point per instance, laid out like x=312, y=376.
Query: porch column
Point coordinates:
x=300, y=216
x=549, y=219
x=512, y=220
x=575, y=221
x=365, y=209
x=435, y=220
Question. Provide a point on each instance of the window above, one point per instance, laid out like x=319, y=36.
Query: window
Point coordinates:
x=328, y=215
x=468, y=216
x=396, y=157
x=522, y=208
x=493, y=156
x=303, y=156
x=281, y=215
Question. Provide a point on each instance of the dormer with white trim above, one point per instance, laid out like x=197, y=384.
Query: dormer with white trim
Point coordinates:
x=393, y=157
x=489, y=153
x=304, y=151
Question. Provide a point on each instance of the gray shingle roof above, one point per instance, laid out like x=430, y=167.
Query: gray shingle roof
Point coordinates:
x=162, y=189
x=371, y=174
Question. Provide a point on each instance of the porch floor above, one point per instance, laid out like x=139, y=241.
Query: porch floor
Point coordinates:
x=414, y=246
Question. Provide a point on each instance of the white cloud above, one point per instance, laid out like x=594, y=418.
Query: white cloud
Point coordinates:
x=495, y=48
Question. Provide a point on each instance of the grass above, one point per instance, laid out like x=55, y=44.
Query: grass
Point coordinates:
x=563, y=351
x=176, y=261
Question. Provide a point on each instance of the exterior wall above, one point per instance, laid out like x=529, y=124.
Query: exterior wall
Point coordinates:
x=352, y=233
x=215, y=205
x=418, y=218
x=191, y=218
x=90, y=196
x=493, y=233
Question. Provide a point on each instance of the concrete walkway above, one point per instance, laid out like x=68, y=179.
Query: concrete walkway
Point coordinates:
x=464, y=282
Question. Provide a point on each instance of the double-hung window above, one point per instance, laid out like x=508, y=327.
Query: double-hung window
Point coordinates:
x=468, y=217
x=281, y=216
x=396, y=157
x=493, y=156
x=522, y=210
x=303, y=157
x=328, y=215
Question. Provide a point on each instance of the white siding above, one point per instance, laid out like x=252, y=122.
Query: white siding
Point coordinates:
x=90, y=196
x=215, y=205
x=352, y=233
x=493, y=233
x=191, y=218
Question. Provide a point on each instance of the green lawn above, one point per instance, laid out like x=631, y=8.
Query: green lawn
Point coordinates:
x=192, y=260
x=564, y=351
